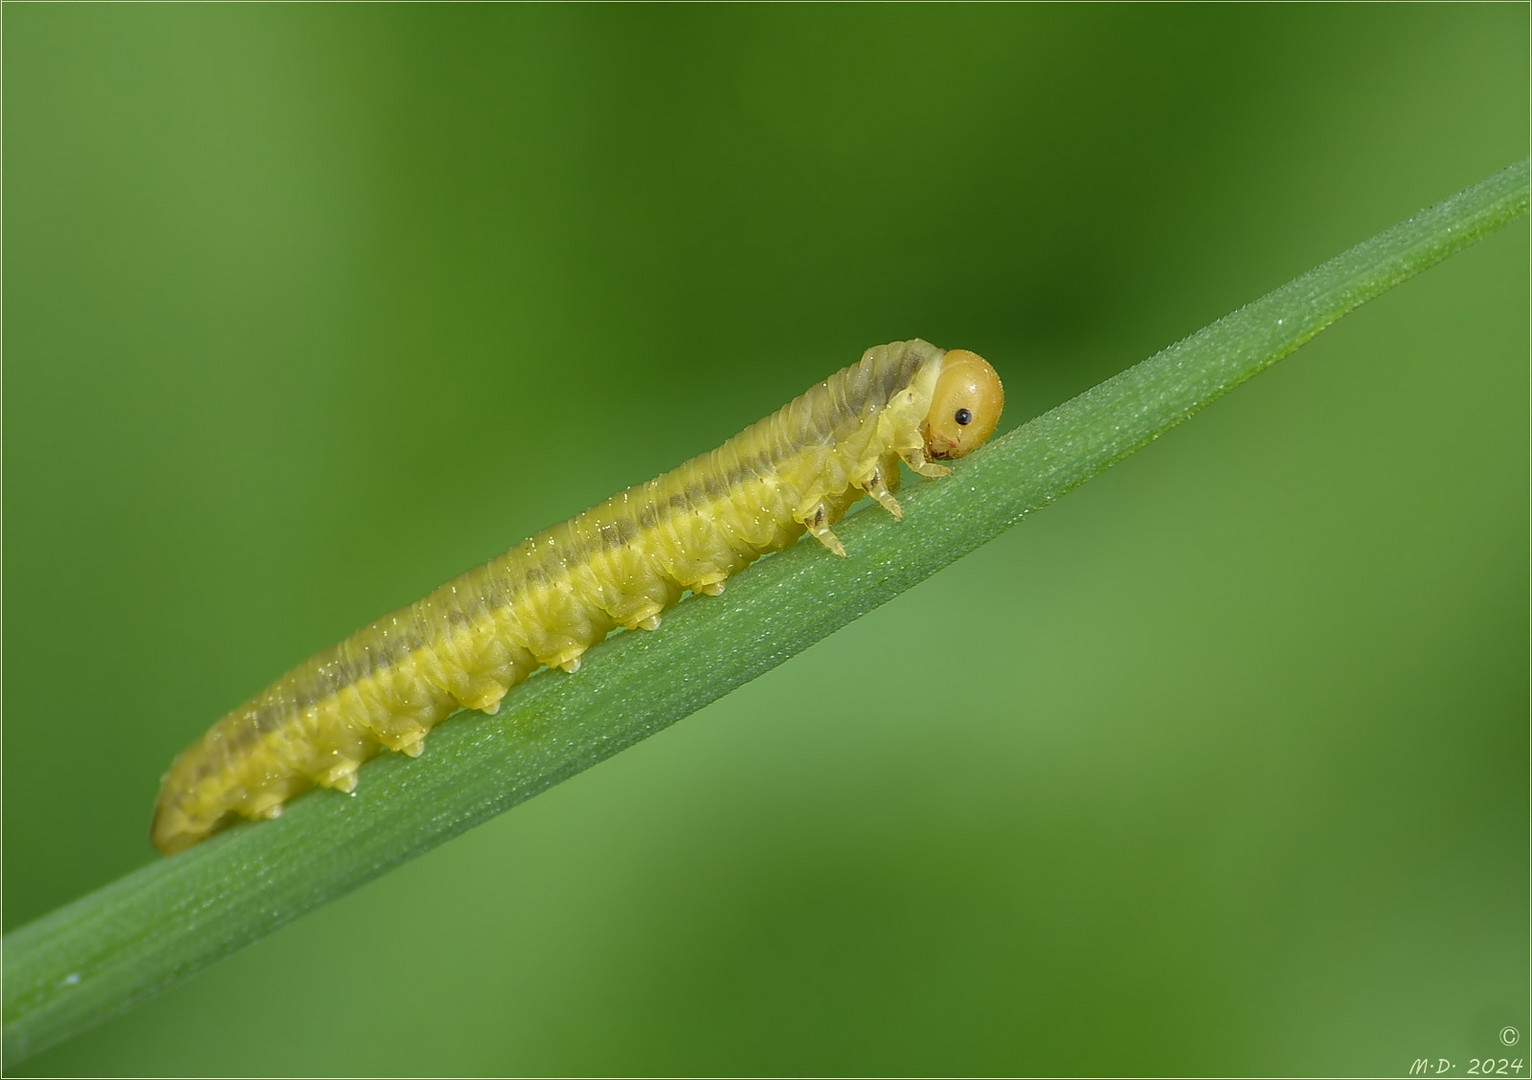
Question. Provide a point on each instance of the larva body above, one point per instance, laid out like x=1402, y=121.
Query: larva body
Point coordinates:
x=553, y=596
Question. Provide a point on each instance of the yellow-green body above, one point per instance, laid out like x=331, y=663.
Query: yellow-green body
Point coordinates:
x=551, y=597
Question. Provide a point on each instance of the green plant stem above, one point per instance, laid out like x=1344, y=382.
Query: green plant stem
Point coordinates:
x=126, y=942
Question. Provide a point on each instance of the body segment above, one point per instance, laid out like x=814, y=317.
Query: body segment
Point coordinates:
x=547, y=600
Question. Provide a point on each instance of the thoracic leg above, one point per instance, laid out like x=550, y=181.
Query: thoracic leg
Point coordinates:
x=877, y=487
x=818, y=523
x=915, y=458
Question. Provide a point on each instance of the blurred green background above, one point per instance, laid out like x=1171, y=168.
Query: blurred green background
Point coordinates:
x=1218, y=766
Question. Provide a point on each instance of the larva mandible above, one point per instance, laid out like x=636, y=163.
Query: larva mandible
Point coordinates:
x=555, y=595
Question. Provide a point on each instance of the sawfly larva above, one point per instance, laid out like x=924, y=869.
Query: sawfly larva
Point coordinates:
x=555, y=595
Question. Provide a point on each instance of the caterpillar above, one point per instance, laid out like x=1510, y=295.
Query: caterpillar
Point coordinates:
x=547, y=600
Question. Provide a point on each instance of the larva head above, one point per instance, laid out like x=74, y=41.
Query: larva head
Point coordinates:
x=965, y=407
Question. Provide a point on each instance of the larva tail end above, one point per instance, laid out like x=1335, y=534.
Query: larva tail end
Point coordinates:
x=965, y=406
x=174, y=831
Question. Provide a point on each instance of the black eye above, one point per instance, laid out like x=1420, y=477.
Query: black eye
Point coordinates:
x=963, y=416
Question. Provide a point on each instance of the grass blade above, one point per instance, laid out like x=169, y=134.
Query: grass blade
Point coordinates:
x=124, y=943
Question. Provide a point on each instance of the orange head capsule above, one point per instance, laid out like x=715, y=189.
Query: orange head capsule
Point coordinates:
x=965, y=406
